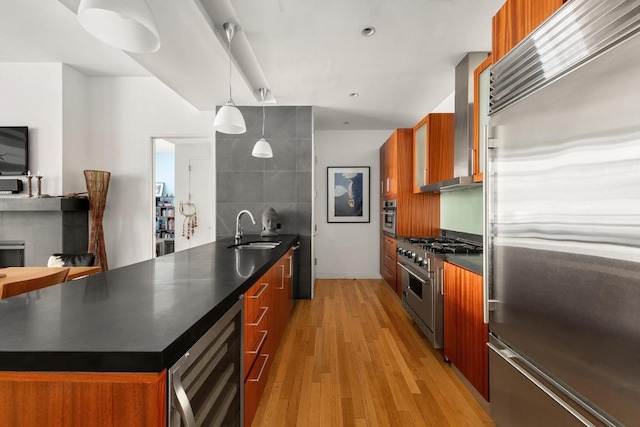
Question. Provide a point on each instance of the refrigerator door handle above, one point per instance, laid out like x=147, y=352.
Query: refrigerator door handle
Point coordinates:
x=507, y=355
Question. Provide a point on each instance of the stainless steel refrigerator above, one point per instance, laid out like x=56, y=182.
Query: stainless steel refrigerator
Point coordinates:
x=563, y=221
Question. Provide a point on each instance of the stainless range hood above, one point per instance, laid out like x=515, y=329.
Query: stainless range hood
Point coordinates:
x=463, y=131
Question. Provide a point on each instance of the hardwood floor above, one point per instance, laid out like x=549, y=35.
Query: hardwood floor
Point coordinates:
x=353, y=357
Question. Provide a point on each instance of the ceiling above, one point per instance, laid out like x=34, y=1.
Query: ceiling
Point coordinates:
x=305, y=52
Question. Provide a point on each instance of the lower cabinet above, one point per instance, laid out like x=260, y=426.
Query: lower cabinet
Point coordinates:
x=83, y=399
x=267, y=308
x=388, y=267
x=465, y=333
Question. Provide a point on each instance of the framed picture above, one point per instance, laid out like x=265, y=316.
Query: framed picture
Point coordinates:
x=348, y=194
x=159, y=189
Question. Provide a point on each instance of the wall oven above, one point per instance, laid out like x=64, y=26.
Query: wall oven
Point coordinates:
x=389, y=217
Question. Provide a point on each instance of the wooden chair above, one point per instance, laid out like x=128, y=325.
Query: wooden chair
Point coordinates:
x=55, y=276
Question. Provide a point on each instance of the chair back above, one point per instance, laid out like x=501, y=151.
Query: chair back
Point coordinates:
x=48, y=278
x=71, y=260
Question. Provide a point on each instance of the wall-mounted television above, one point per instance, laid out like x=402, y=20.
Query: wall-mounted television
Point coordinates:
x=14, y=150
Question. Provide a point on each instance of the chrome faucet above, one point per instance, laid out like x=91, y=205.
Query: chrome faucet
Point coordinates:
x=239, y=229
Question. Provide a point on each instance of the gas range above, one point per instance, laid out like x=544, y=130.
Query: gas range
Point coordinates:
x=421, y=260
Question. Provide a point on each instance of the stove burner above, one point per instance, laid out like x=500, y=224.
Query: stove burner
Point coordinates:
x=444, y=245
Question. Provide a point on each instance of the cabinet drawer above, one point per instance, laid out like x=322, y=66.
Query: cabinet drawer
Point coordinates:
x=389, y=244
x=390, y=261
x=256, y=335
x=254, y=385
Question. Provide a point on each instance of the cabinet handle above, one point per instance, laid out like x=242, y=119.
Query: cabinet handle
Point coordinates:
x=263, y=287
x=388, y=184
x=259, y=346
x=507, y=355
x=424, y=180
x=441, y=281
x=290, y=267
x=381, y=187
x=264, y=311
x=184, y=406
x=281, y=277
x=264, y=364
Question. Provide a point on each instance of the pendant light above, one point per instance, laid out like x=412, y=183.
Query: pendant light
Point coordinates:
x=126, y=24
x=262, y=148
x=229, y=118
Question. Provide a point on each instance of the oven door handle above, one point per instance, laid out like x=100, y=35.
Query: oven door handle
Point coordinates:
x=424, y=282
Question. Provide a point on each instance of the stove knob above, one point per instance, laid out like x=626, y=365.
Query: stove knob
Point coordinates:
x=418, y=260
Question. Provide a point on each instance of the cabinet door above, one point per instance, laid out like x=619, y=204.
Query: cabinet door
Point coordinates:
x=420, y=172
x=279, y=303
x=465, y=333
x=390, y=262
x=391, y=159
x=383, y=171
x=516, y=19
x=87, y=399
x=480, y=116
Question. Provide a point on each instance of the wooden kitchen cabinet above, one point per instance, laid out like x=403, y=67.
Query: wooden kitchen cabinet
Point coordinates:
x=481, y=77
x=389, y=169
x=389, y=266
x=432, y=149
x=516, y=19
x=68, y=399
x=465, y=333
x=267, y=308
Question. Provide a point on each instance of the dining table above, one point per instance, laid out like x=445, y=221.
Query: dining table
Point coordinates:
x=18, y=274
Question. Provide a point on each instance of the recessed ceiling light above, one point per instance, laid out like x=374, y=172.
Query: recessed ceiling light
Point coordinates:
x=367, y=31
x=354, y=94
x=346, y=123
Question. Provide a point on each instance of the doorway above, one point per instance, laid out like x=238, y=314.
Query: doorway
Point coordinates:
x=183, y=172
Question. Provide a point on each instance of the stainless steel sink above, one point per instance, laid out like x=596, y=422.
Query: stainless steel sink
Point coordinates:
x=256, y=245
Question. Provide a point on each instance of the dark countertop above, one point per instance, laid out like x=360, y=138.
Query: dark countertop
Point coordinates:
x=471, y=262
x=138, y=318
x=29, y=204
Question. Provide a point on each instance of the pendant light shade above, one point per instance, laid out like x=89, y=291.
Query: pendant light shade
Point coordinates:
x=229, y=118
x=126, y=24
x=262, y=148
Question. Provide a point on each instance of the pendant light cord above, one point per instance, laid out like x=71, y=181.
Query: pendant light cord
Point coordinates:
x=263, y=120
x=230, y=98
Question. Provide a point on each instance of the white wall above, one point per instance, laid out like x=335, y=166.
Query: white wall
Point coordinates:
x=195, y=183
x=32, y=96
x=75, y=116
x=125, y=113
x=347, y=250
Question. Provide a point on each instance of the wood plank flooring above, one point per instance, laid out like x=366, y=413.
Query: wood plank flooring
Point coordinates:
x=353, y=357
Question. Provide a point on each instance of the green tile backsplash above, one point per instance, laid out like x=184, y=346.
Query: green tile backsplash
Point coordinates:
x=462, y=210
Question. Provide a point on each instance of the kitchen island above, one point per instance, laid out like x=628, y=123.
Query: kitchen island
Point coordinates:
x=129, y=324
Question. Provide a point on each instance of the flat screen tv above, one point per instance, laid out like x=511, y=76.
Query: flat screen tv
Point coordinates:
x=14, y=150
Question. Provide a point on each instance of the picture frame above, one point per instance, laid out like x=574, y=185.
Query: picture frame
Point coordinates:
x=348, y=194
x=159, y=189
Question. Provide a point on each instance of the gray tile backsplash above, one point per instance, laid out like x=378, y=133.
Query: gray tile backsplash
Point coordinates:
x=283, y=182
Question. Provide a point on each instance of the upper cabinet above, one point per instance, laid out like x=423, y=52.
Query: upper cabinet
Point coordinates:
x=389, y=175
x=480, y=116
x=516, y=19
x=433, y=149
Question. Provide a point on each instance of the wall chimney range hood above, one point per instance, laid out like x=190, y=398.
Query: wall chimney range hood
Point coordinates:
x=463, y=130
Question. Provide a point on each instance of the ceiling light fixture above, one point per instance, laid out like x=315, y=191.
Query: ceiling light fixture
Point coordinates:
x=367, y=31
x=126, y=24
x=354, y=94
x=262, y=148
x=229, y=118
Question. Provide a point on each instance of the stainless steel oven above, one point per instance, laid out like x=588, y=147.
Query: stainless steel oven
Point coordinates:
x=388, y=219
x=418, y=298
